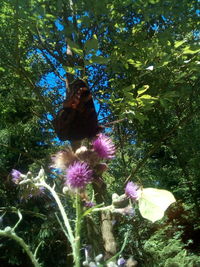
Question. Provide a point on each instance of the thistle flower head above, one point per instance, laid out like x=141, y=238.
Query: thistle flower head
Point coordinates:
x=104, y=147
x=16, y=175
x=78, y=175
x=87, y=155
x=28, y=191
x=62, y=159
x=38, y=192
x=33, y=192
x=131, y=190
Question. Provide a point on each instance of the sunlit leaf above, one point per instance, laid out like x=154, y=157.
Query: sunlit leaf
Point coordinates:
x=50, y=16
x=179, y=43
x=135, y=63
x=132, y=103
x=143, y=89
x=153, y=1
x=70, y=70
x=154, y=202
x=147, y=97
x=189, y=50
x=75, y=48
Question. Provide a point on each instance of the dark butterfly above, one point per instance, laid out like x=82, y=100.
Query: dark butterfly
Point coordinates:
x=77, y=119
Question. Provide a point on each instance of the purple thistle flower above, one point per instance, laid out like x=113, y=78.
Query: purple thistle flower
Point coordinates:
x=131, y=191
x=16, y=175
x=104, y=147
x=78, y=175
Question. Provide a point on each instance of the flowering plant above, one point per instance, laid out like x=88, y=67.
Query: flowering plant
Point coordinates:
x=82, y=169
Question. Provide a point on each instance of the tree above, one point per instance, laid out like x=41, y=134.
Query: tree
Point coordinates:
x=141, y=61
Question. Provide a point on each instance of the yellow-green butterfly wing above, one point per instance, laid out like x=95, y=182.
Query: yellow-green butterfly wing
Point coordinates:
x=153, y=203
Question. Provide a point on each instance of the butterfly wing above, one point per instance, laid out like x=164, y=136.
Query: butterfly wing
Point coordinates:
x=77, y=119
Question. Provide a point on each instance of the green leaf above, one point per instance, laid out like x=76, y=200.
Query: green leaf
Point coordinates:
x=132, y=103
x=154, y=1
x=170, y=95
x=84, y=20
x=143, y=89
x=91, y=44
x=129, y=88
x=128, y=96
x=135, y=63
x=189, y=50
x=179, y=43
x=96, y=60
x=75, y=48
x=154, y=202
x=147, y=97
x=141, y=117
x=164, y=103
x=50, y=16
x=70, y=70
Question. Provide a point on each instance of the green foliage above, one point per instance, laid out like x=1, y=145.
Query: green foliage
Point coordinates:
x=141, y=59
x=168, y=252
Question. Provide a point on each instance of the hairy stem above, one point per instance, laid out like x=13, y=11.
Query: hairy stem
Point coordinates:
x=77, y=244
x=62, y=211
x=11, y=234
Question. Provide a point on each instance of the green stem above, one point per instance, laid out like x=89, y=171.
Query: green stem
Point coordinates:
x=63, y=213
x=77, y=256
x=110, y=208
x=122, y=248
x=11, y=234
